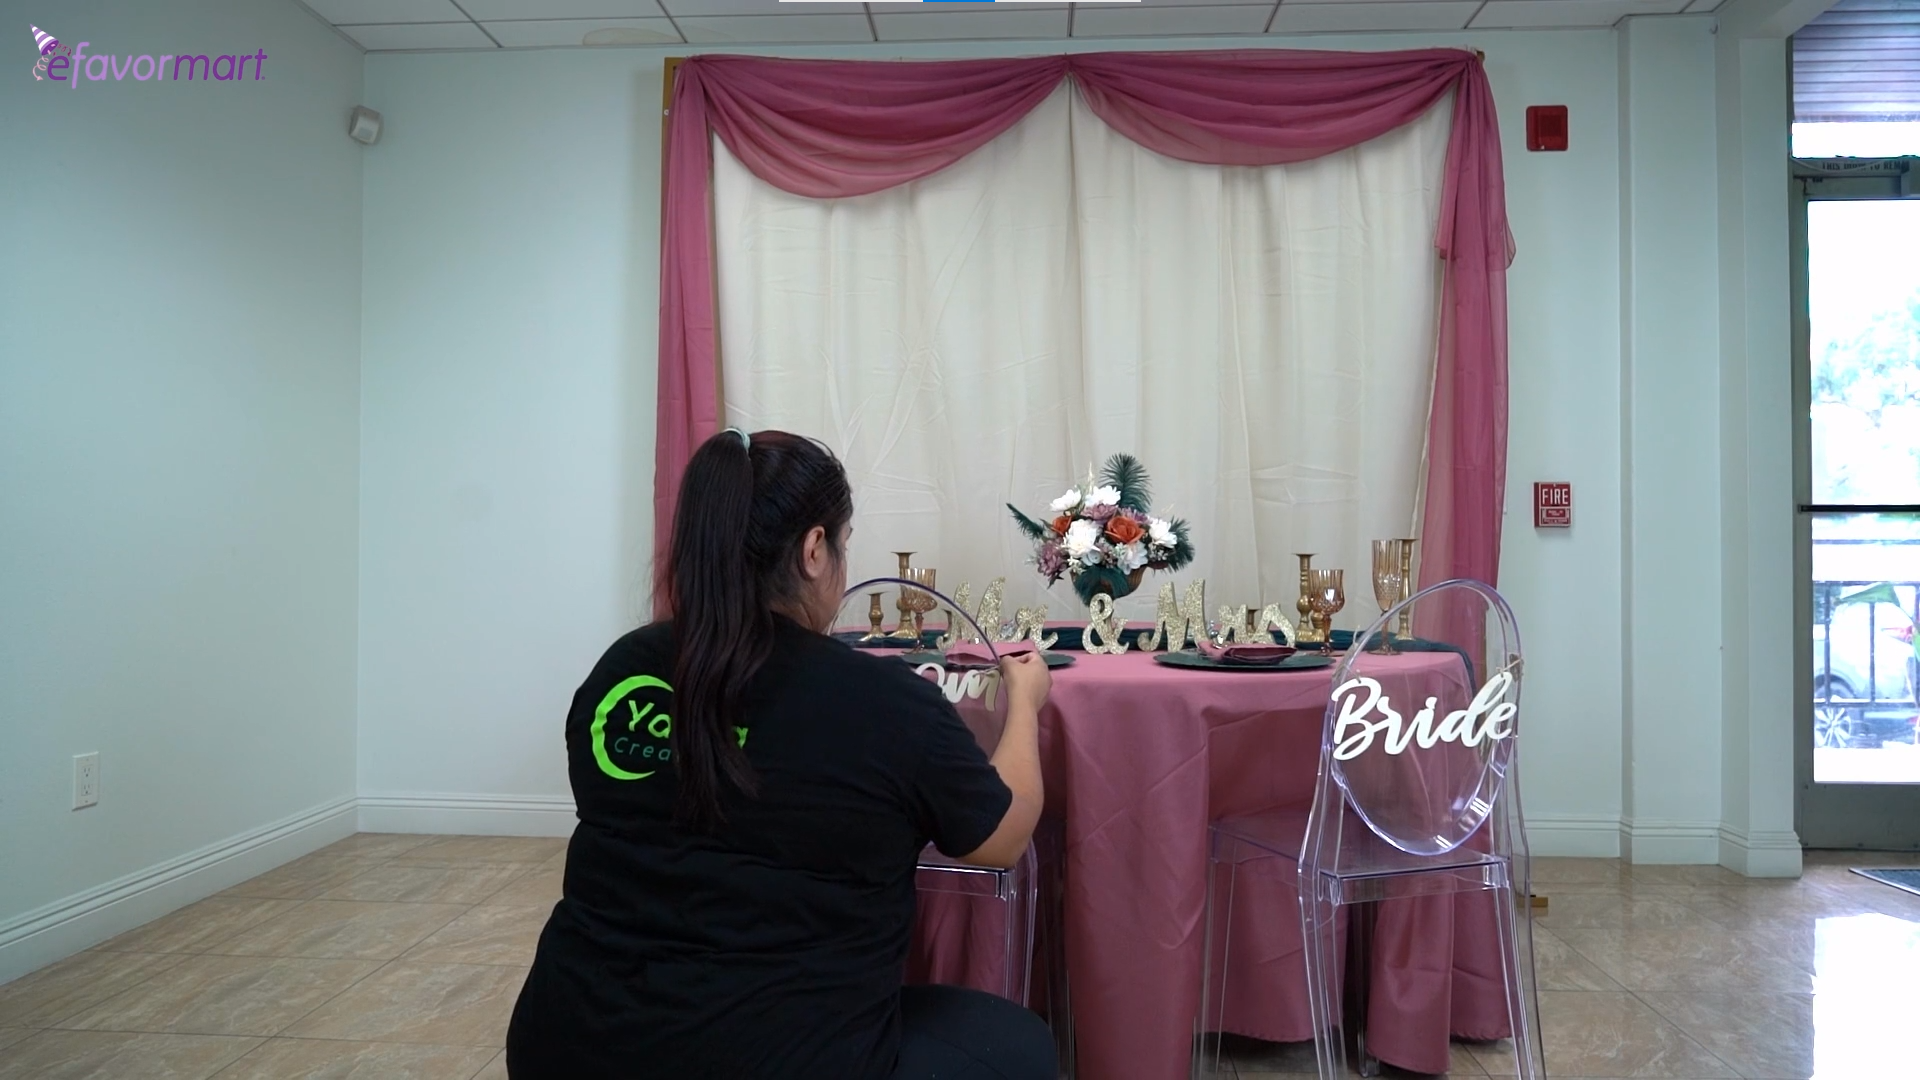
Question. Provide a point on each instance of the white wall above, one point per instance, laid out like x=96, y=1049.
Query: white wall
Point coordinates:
x=179, y=309
x=508, y=365
x=1756, y=447
x=1670, y=377
x=235, y=515
x=507, y=426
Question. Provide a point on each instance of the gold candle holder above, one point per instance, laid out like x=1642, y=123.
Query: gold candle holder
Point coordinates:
x=876, y=618
x=1307, y=630
x=904, y=630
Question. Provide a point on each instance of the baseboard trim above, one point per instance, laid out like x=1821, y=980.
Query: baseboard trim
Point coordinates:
x=468, y=815
x=86, y=919
x=1670, y=843
x=1574, y=836
x=1760, y=855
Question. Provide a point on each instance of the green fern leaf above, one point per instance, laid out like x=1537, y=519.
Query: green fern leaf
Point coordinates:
x=1033, y=529
x=1125, y=472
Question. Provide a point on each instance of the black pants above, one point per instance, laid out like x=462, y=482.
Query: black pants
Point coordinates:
x=952, y=1033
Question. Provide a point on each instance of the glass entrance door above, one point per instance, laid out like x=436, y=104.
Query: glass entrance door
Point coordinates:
x=1857, y=316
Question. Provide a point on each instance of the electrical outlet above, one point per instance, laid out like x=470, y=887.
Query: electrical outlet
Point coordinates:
x=86, y=780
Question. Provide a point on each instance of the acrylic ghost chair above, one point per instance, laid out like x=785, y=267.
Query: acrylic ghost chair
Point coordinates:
x=977, y=694
x=1417, y=795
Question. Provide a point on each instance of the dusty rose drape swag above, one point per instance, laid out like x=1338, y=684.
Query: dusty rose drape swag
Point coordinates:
x=831, y=129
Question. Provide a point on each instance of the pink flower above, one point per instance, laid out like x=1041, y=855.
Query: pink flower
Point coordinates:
x=1101, y=513
x=1053, y=561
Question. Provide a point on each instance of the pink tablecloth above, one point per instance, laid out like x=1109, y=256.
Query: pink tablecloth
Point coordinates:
x=1139, y=758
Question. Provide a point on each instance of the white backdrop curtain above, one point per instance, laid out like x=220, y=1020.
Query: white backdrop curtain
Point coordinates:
x=1261, y=338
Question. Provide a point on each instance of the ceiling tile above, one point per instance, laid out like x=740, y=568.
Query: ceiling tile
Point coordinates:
x=1702, y=5
x=970, y=26
x=1139, y=21
x=945, y=8
x=388, y=37
x=528, y=32
x=340, y=12
x=1107, y=5
x=495, y=10
x=1296, y=18
x=681, y=8
x=774, y=29
x=1531, y=14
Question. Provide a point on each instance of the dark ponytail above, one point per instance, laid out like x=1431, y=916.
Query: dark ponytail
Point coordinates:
x=739, y=534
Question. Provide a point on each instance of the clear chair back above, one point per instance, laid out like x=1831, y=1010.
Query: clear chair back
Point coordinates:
x=1418, y=795
x=878, y=614
x=911, y=619
x=1420, y=729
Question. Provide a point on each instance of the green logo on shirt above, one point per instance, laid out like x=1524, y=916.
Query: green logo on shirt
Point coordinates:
x=659, y=725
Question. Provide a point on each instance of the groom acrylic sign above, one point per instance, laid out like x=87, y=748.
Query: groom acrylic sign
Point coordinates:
x=1488, y=719
x=959, y=685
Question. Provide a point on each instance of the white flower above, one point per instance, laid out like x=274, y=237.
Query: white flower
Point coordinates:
x=1160, y=533
x=1081, y=536
x=1133, y=557
x=1066, y=502
x=1104, y=496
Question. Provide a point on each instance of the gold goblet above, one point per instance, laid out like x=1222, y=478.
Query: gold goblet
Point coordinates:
x=1326, y=595
x=918, y=603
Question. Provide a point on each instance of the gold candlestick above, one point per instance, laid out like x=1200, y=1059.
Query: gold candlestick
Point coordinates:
x=904, y=631
x=876, y=618
x=1307, y=631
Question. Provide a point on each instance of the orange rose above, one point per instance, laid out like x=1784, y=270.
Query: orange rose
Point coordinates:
x=1122, y=530
x=1060, y=523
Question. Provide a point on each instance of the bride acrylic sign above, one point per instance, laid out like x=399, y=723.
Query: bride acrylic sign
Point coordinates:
x=1489, y=719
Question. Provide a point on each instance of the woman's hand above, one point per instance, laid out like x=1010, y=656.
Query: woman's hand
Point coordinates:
x=1027, y=680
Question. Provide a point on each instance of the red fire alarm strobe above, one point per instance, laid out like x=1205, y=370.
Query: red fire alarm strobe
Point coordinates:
x=1552, y=505
x=1546, y=127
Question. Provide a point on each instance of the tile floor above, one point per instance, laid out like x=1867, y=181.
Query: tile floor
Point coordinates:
x=399, y=958
x=1696, y=973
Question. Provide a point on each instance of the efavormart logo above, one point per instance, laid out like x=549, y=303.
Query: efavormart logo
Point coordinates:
x=68, y=65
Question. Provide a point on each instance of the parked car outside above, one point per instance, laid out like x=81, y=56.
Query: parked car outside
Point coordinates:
x=1864, y=675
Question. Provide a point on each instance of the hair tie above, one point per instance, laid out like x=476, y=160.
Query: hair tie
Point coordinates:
x=746, y=441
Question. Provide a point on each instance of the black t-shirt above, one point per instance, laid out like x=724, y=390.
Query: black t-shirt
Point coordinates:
x=775, y=946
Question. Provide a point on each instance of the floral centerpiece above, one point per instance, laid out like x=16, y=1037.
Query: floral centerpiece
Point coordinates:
x=1102, y=535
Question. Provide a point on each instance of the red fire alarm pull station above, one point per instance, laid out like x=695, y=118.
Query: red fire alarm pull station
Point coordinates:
x=1552, y=505
x=1546, y=127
